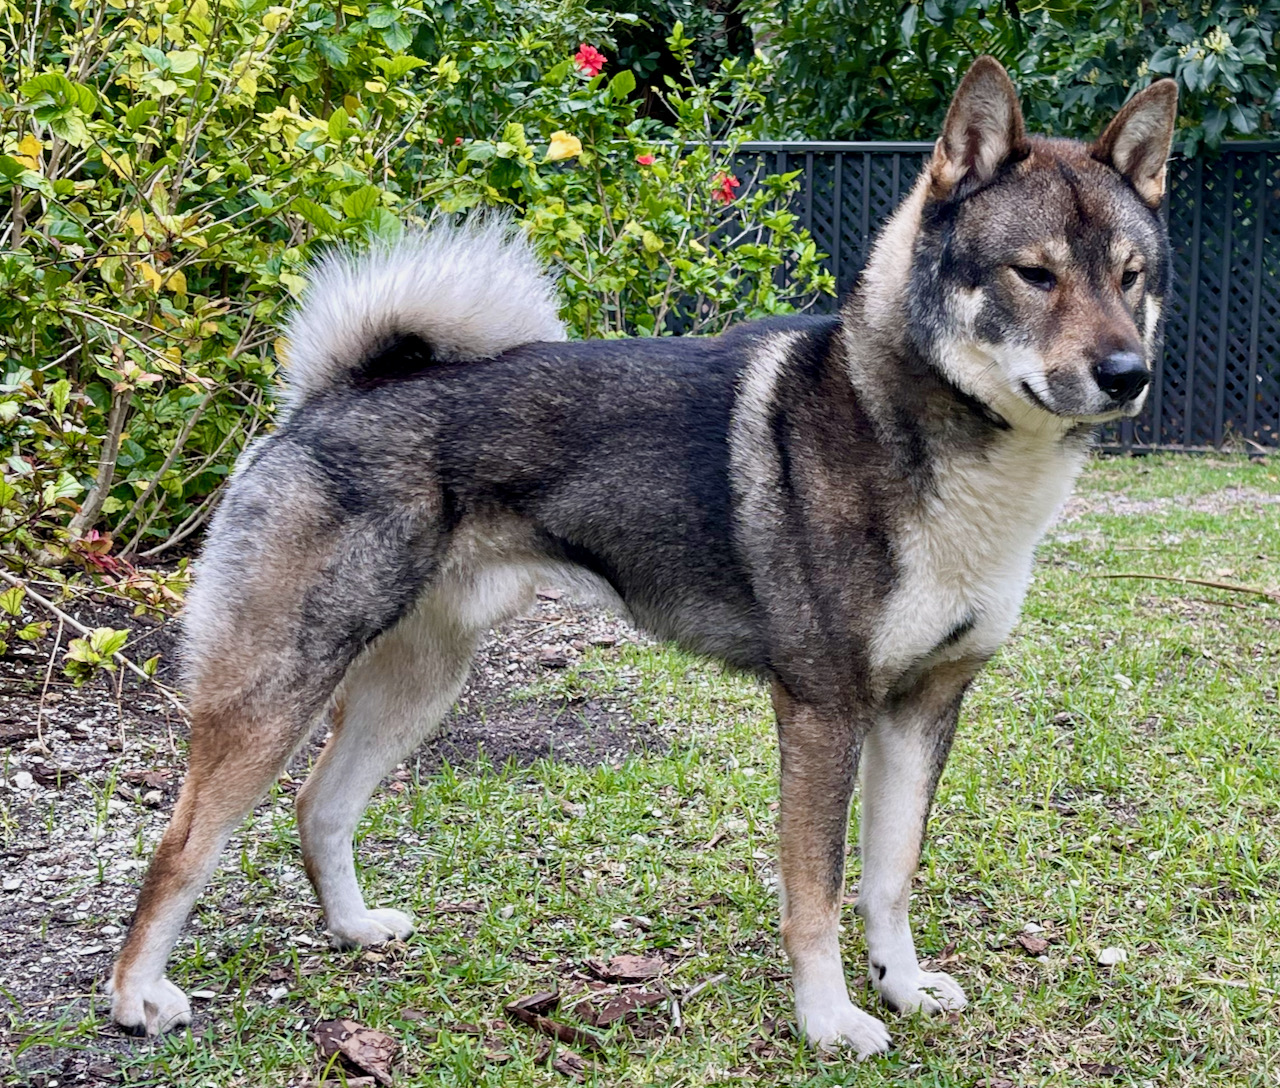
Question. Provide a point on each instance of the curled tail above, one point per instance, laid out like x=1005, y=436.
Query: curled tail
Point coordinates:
x=466, y=290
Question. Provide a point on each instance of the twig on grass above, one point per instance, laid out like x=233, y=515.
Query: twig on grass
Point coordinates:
x=44, y=691
x=1235, y=984
x=565, y=1033
x=677, y=1019
x=76, y=625
x=1230, y=587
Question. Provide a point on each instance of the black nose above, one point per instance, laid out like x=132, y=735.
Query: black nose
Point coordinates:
x=1121, y=375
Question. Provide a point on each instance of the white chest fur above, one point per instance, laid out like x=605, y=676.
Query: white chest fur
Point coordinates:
x=964, y=554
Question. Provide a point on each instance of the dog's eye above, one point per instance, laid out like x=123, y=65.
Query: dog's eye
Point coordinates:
x=1130, y=277
x=1040, y=278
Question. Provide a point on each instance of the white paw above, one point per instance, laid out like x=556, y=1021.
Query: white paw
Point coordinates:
x=371, y=927
x=924, y=991
x=843, y=1024
x=148, y=1008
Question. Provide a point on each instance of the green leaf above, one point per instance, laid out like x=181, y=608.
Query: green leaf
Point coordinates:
x=395, y=67
x=339, y=125
x=182, y=61
x=397, y=38
x=362, y=201
x=556, y=75
x=59, y=394
x=316, y=214
x=11, y=600
x=107, y=640
x=138, y=114
x=622, y=85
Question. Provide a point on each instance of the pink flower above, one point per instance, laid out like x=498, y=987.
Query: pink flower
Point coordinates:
x=589, y=59
x=457, y=141
x=724, y=184
x=644, y=160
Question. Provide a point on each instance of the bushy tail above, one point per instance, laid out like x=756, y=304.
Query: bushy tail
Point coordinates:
x=467, y=290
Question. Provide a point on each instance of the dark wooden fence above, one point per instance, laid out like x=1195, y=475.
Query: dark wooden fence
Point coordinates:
x=1218, y=383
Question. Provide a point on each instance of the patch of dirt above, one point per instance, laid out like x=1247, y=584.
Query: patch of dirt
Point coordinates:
x=87, y=774
x=1224, y=501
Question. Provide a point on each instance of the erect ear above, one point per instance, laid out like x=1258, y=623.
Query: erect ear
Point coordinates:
x=982, y=130
x=1138, y=139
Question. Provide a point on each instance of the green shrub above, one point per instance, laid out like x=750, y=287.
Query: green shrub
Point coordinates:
x=167, y=169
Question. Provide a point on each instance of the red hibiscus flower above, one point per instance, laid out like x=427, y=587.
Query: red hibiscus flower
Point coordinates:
x=724, y=185
x=644, y=160
x=589, y=59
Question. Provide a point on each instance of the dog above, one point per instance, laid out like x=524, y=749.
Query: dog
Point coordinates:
x=846, y=506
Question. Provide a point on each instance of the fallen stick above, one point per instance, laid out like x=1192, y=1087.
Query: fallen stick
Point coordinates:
x=565, y=1033
x=76, y=625
x=1269, y=594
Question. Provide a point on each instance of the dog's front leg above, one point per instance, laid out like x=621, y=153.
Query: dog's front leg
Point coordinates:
x=902, y=759
x=819, y=764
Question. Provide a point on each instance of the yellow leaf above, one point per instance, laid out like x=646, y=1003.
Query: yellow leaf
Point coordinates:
x=137, y=222
x=375, y=86
x=281, y=346
x=563, y=146
x=248, y=83
x=121, y=167
x=350, y=103
x=29, y=149
x=177, y=283
x=273, y=18
x=149, y=274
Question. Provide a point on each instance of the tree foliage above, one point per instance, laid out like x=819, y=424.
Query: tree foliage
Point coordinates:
x=884, y=69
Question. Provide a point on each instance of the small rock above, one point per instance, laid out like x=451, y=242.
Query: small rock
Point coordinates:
x=277, y=993
x=22, y=780
x=506, y=912
x=152, y=798
x=549, y=594
x=1109, y=957
x=553, y=659
x=1033, y=927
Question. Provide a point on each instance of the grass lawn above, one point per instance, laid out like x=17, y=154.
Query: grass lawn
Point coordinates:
x=1115, y=785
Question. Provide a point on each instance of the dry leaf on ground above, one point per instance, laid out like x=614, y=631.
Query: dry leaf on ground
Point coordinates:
x=622, y=1006
x=367, y=1050
x=627, y=968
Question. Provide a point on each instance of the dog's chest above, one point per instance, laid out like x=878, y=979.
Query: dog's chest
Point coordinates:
x=964, y=553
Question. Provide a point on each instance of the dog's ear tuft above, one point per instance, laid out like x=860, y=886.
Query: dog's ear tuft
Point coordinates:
x=982, y=131
x=1137, y=141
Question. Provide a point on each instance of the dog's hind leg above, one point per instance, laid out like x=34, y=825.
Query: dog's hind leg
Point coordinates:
x=392, y=700
x=288, y=593
x=819, y=748
x=234, y=758
x=902, y=760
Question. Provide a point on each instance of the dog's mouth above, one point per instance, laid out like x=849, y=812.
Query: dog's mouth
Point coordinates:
x=1122, y=411
x=1037, y=400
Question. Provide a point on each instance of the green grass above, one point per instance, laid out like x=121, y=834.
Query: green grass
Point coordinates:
x=1116, y=781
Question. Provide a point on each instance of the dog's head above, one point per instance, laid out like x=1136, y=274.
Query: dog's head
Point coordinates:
x=1040, y=265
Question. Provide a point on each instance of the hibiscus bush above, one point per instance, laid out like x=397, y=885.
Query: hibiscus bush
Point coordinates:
x=168, y=167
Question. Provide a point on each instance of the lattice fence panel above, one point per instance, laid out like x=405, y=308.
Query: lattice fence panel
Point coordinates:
x=1266, y=422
